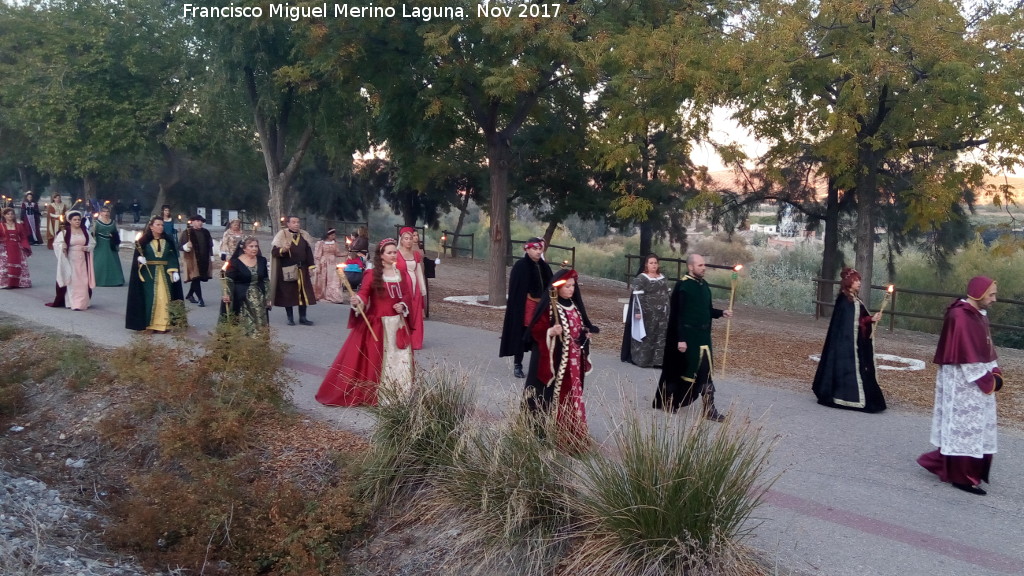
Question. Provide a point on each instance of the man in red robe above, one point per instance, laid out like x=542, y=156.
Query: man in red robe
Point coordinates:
x=964, y=418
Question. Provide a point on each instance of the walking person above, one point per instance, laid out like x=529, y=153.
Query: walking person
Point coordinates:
x=136, y=211
x=378, y=350
x=14, y=253
x=75, y=272
x=291, y=265
x=561, y=360
x=170, y=232
x=106, y=262
x=196, y=255
x=30, y=216
x=246, y=295
x=527, y=283
x=846, y=371
x=154, y=284
x=964, y=417
x=327, y=254
x=232, y=236
x=643, y=337
x=688, y=363
x=119, y=211
x=410, y=261
x=55, y=211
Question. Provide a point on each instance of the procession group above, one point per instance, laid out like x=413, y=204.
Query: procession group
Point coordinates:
x=666, y=329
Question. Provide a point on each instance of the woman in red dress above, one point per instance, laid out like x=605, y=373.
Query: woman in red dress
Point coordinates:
x=15, y=252
x=410, y=261
x=382, y=357
x=561, y=361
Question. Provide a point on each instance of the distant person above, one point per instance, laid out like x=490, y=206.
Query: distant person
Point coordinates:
x=196, y=256
x=154, y=284
x=361, y=242
x=382, y=357
x=846, y=371
x=30, y=216
x=170, y=232
x=687, y=366
x=291, y=265
x=355, y=265
x=118, y=211
x=964, y=417
x=246, y=297
x=14, y=253
x=643, y=338
x=136, y=211
x=75, y=272
x=527, y=283
x=107, y=262
x=232, y=236
x=55, y=211
x=410, y=260
x=327, y=254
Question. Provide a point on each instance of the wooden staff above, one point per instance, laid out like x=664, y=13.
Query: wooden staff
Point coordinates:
x=728, y=321
x=352, y=294
x=885, y=303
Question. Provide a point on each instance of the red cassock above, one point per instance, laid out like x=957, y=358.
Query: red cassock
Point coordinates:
x=416, y=303
x=353, y=378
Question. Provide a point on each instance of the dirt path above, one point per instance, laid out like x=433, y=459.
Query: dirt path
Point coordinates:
x=766, y=346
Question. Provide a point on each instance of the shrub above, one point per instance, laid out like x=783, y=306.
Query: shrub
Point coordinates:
x=673, y=499
x=416, y=434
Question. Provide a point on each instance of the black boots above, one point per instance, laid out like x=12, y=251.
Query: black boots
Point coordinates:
x=302, y=317
x=291, y=317
x=710, y=412
x=518, y=371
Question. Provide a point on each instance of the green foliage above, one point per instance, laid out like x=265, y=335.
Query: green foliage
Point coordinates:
x=713, y=478
x=77, y=364
x=13, y=392
x=416, y=434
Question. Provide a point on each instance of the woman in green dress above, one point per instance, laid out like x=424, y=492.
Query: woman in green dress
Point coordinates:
x=246, y=298
x=106, y=261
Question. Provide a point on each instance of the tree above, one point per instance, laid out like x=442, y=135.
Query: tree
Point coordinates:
x=866, y=86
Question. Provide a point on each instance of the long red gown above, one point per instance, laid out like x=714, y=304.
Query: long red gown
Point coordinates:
x=14, y=257
x=355, y=375
x=570, y=410
x=416, y=303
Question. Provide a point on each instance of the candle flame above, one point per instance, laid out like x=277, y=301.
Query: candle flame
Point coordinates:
x=891, y=288
x=737, y=268
x=224, y=268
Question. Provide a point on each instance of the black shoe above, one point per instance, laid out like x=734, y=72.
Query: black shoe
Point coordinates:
x=969, y=488
x=714, y=415
x=291, y=322
x=305, y=322
x=518, y=371
x=192, y=299
x=201, y=303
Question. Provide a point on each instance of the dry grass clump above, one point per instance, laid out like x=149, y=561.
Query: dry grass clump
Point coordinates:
x=668, y=499
x=203, y=499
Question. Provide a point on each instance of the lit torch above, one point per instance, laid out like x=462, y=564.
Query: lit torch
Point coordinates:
x=728, y=321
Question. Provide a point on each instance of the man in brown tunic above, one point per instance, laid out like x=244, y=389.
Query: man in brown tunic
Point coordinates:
x=291, y=262
x=197, y=252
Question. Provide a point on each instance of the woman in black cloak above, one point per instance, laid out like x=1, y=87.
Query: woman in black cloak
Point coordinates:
x=846, y=371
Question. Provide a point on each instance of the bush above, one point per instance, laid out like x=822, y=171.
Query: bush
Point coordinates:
x=674, y=498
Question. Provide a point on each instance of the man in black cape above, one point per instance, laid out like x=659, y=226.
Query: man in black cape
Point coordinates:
x=526, y=284
x=686, y=369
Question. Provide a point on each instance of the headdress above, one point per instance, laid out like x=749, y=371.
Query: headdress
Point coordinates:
x=563, y=276
x=67, y=217
x=197, y=217
x=330, y=231
x=406, y=229
x=534, y=243
x=385, y=242
x=979, y=287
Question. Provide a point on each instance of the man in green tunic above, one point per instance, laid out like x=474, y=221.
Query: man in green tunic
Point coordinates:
x=687, y=367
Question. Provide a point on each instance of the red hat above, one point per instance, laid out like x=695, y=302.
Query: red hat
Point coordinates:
x=406, y=229
x=979, y=286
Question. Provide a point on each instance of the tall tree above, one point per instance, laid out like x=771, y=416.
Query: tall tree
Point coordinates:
x=865, y=85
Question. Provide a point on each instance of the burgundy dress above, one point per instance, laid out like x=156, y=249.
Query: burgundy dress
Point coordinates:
x=353, y=378
x=14, y=257
x=416, y=303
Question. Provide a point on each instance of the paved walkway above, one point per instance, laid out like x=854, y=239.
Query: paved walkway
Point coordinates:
x=850, y=499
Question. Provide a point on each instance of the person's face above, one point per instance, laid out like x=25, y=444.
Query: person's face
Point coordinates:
x=416, y=238
x=157, y=228
x=332, y=237
x=166, y=212
x=196, y=224
x=390, y=254
x=29, y=197
x=566, y=290
x=534, y=253
x=76, y=221
x=406, y=240
x=697, y=268
x=293, y=224
x=651, y=267
x=56, y=198
x=987, y=299
x=855, y=286
x=105, y=213
x=236, y=226
x=9, y=215
x=252, y=248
